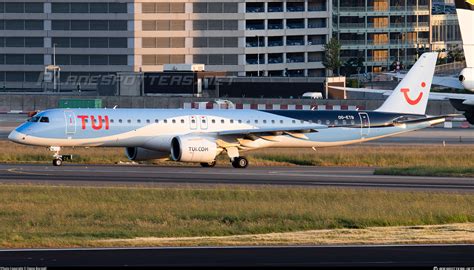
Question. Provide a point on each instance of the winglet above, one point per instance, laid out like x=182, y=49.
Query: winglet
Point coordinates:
x=411, y=94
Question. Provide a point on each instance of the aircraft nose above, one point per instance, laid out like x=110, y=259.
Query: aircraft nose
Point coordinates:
x=17, y=137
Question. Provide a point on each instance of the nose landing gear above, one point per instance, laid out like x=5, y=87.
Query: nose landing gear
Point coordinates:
x=58, y=158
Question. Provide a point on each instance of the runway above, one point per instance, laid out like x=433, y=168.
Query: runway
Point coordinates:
x=355, y=256
x=261, y=176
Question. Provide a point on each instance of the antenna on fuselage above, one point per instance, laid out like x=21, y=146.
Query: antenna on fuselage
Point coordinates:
x=115, y=107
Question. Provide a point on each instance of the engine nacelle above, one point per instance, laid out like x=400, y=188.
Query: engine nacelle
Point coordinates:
x=467, y=78
x=193, y=149
x=142, y=154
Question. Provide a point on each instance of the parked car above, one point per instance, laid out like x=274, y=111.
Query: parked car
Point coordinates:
x=312, y=95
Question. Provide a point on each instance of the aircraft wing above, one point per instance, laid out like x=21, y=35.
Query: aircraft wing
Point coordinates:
x=363, y=90
x=451, y=82
x=271, y=131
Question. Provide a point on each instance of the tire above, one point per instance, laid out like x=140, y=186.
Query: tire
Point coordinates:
x=57, y=162
x=240, y=163
x=209, y=165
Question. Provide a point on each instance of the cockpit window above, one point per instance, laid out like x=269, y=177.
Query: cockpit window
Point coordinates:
x=44, y=120
x=34, y=119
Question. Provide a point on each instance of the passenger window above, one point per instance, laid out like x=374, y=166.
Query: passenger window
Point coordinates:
x=248, y=121
x=302, y=121
x=273, y=121
x=193, y=121
x=336, y=122
x=166, y=121
x=44, y=120
x=222, y=121
x=231, y=121
x=294, y=121
x=129, y=121
x=213, y=121
x=256, y=121
x=139, y=121
x=264, y=121
x=328, y=122
x=182, y=121
x=174, y=121
x=120, y=121
x=352, y=122
x=281, y=121
x=148, y=121
x=111, y=120
x=157, y=121
x=344, y=122
x=320, y=122
x=87, y=120
x=240, y=121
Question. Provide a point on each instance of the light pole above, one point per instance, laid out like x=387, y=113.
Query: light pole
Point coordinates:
x=258, y=56
x=54, y=65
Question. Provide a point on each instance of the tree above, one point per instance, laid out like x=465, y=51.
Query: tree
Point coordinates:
x=456, y=54
x=353, y=66
x=332, y=60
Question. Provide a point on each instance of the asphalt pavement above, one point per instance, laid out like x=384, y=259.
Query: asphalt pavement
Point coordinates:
x=110, y=175
x=322, y=256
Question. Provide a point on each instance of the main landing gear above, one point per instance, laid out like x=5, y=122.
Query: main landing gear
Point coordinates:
x=240, y=163
x=58, y=159
x=237, y=161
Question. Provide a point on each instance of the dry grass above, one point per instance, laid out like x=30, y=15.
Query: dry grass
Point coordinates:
x=462, y=233
x=39, y=216
x=356, y=155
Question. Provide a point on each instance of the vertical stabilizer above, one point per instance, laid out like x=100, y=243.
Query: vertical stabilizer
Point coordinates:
x=411, y=94
x=465, y=12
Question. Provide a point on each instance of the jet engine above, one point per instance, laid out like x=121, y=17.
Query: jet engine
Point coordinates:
x=467, y=78
x=142, y=154
x=194, y=149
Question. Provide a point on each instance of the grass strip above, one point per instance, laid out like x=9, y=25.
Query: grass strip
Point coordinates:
x=428, y=171
x=55, y=216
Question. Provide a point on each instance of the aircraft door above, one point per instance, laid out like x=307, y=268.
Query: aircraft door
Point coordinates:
x=70, y=118
x=364, y=125
x=193, y=122
x=203, y=122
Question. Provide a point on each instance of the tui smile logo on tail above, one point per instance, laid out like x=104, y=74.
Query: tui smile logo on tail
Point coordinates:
x=411, y=101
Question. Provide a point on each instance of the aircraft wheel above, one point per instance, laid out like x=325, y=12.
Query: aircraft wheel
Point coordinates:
x=240, y=163
x=209, y=165
x=57, y=162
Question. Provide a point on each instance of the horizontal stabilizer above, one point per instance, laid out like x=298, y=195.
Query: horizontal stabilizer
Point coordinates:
x=426, y=119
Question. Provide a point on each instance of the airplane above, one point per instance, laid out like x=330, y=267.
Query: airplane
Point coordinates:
x=199, y=136
x=465, y=81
